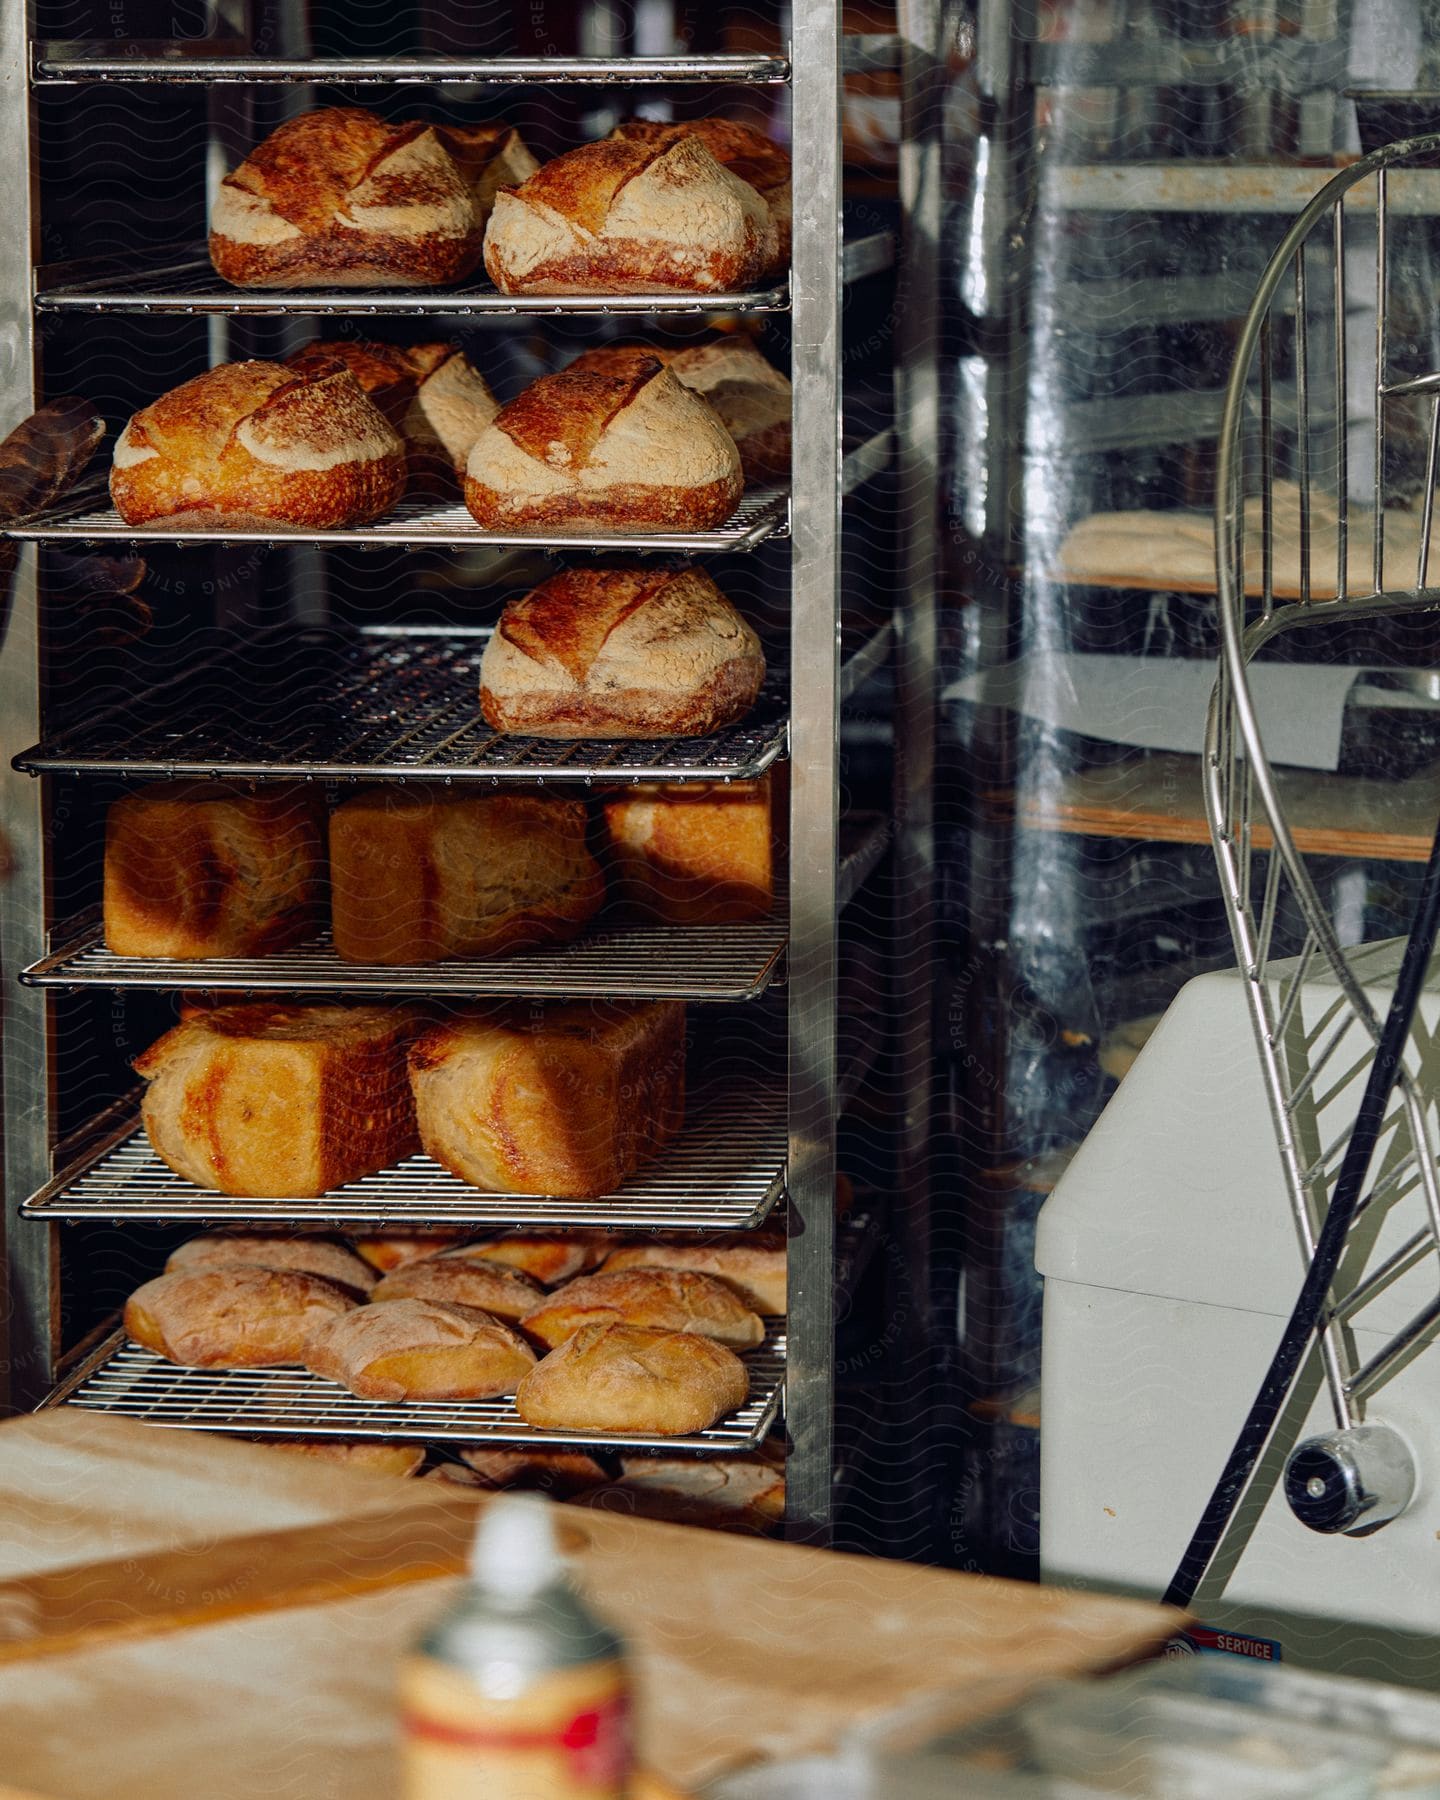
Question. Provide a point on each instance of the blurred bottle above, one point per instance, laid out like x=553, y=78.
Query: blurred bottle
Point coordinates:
x=516, y=1693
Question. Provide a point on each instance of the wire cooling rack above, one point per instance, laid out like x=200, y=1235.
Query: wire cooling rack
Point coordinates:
x=380, y=702
x=642, y=961
x=416, y=524
x=725, y=1171
x=123, y=1379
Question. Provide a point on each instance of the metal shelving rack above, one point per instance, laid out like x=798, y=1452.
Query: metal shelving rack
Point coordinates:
x=789, y=1147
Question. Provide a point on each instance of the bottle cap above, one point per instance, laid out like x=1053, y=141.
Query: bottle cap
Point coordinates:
x=515, y=1554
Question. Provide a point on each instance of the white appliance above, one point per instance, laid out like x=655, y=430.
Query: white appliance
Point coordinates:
x=1171, y=1262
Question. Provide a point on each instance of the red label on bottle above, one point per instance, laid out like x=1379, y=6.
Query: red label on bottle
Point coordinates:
x=595, y=1744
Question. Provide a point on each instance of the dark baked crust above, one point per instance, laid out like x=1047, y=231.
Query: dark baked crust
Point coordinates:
x=629, y=712
x=623, y=508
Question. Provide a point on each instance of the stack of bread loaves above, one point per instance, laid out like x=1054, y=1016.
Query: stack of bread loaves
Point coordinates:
x=635, y=1351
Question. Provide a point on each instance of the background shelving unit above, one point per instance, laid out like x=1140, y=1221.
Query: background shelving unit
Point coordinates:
x=315, y=697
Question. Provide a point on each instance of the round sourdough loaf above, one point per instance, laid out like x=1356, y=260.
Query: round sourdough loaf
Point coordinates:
x=583, y=451
x=430, y=393
x=620, y=217
x=625, y=1378
x=340, y=198
x=666, y=1299
x=504, y=1292
x=741, y=149
x=754, y=1270
x=240, y=1316
x=420, y=1350
x=620, y=653
x=258, y=443
x=313, y=1255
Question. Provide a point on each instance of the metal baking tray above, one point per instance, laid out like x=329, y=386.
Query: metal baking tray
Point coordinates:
x=724, y=1172
x=382, y=702
x=123, y=1379
x=413, y=524
x=620, y=956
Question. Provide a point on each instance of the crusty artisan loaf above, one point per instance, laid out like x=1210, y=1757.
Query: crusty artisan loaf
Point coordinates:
x=722, y=1493
x=622, y=217
x=340, y=198
x=282, y=1102
x=620, y=653
x=387, y=1250
x=201, y=868
x=565, y=1100
x=374, y=1455
x=544, y=1258
x=504, y=1293
x=626, y=1378
x=749, y=395
x=667, y=1299
x=236, y=1317
x=422, y=873
x=754, y=1267
x=256, y=443
x=420, y=1350
x=430, y=393
x=597, y=453
x=307, y=1251
x=691, y=853
x=746, y=152
x=556, y=1472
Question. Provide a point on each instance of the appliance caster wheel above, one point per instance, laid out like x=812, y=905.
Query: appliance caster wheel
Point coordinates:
x=1351, y=1481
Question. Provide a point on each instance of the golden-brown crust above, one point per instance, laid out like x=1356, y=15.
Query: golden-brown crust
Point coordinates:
x=307, y=1251
x=755, y=1269
x=568, y=1100
x=203, y=869
x=692, y=854
x=546, y=1259
x=425, y=191
x=375, y=1456
x=239, y=1316
x=626, y=1378
x=632, y=652
x=624, y=507
x=742, y=149
x=421, y=874
x=666, y=1299
x=559, y=1473
x=420, y=1350
x=504, y=1293
x=387, y=1250
x=280, y=1101
x=259, y=441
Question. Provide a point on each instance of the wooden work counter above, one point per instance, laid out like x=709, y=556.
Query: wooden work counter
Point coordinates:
x=182, y=1615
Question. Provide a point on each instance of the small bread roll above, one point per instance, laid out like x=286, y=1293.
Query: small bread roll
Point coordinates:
x=625, y=1378
x=373, y=1455
x=420, y=1350
x=255, y=443
x=505, y=1293
x=666, y=1299
x=754, y=1269
x=546, y=1259
x=237, y=1317
x=387, y=1250
x=313, y=1255
x=560, y=1473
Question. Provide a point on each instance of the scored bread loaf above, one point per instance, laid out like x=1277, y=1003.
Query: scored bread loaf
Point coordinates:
x=240, y=1316
x=556, y=1472
x=749, y=396
x=504, y=1293
x=420, y=1350
x=420, y=874
x=667, y=1299
x=566, y=1100
x=341, y=198
x=202, y=869
x=692, y=853
x=387, y=1250
x=755, y=1269
x=280, y=1102
x=604, y=453
x=430, y=393
x=256, y=443
x=373, y=1455
x=627, y=1378
x=544, y=1259
x=746, y=152
x=620, y=653
x=620, y=217
x=308, y=1252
